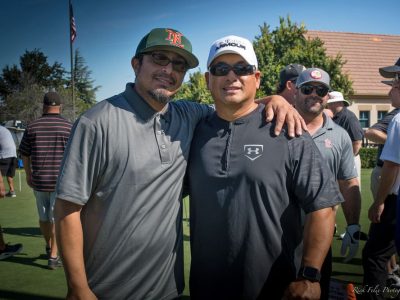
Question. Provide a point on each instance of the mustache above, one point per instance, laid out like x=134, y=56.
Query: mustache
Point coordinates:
x=165, y=76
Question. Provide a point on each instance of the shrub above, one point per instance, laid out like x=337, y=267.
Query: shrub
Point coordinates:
x=368, y=157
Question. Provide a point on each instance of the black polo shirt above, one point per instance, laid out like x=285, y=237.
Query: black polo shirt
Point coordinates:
x=348, y=120
x=248, y=190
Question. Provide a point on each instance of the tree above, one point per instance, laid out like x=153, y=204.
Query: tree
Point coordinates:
x=195, y=89
x=83, y=82
x=33, y=69
x=288, y=44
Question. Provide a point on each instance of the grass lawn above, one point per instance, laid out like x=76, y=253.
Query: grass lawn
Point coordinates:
x=25, y=276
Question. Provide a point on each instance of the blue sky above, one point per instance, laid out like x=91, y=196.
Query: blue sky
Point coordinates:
x=109, y=31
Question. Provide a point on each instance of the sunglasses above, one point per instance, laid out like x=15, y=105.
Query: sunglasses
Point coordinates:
x=163, y=60
x=321, y=90
x=223, y=69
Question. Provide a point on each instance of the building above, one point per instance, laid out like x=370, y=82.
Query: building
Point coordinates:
x=365, y=54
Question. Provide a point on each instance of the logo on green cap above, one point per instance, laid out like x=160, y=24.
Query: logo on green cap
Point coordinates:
x=175, y=38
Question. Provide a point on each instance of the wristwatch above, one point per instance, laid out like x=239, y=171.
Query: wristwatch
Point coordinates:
x=310, y=273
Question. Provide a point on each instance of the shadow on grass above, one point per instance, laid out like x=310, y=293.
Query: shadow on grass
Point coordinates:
x=354, y=261
x=23, y=231
x=18, y=295
x=29, y=261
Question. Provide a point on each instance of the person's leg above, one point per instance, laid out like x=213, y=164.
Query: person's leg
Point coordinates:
x=53, y=242
x=10, y=181
x=378, y=250
x=12, y=165
x=43, y=205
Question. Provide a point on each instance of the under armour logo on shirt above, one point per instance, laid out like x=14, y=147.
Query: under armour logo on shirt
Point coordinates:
x=253, y=152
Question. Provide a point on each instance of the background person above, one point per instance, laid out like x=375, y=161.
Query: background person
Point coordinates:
x=380, y=246
x=8, y=158
x=347, y=120
x=335, y=146
x=42, y=148
x=287, y=81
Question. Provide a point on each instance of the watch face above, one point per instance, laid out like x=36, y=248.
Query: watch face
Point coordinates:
x=310, y=273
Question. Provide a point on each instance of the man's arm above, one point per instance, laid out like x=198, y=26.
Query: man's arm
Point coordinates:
x=318, y=235
x=351, y=206
x=70, y=243
x=28, y=171
x=356, y=147
x=276, y=106
x=388, y=178
x=350, y=190
x=375, y=135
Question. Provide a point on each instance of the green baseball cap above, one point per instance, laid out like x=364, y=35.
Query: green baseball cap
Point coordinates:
x=170, y=40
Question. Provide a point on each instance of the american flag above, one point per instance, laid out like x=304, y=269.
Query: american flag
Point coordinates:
x=72, y=24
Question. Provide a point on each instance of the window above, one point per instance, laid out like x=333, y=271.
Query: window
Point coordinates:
x=381, y=113
x=364, y=118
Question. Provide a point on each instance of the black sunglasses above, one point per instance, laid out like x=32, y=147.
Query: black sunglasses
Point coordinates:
x=223, y=69
x=321, y=90
x=163, y=60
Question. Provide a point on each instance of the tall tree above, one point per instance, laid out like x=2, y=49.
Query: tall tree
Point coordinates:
x=86, y=92
x=33, y=69
x=287, y=44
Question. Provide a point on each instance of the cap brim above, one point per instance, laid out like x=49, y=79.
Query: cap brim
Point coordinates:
x=316, y=81
x=225, y=52
x=192, y=60
x=346, y=103
x=387, y=82
x=389, y=72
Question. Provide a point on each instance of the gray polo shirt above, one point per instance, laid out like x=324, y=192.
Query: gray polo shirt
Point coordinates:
x=336, y=148
x=125, y=163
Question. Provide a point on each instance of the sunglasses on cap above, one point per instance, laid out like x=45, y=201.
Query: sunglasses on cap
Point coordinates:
x=321, y=90
x=163, y=60
x=223, y=69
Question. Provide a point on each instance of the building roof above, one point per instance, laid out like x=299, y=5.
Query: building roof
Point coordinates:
x=365, y=54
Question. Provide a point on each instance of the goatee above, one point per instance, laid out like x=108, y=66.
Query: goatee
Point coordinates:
x=159, y=96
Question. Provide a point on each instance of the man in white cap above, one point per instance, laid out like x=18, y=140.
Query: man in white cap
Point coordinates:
x=348, y=120
x=334, y=143
x=246, y=225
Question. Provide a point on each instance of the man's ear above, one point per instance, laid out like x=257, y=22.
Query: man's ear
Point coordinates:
x=135, y=65
x=290, y=85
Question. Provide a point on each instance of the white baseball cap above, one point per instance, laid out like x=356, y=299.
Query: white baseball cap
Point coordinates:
x=337, y=97
x=235, y=45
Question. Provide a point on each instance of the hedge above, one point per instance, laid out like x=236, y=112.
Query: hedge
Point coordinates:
x=368, y=157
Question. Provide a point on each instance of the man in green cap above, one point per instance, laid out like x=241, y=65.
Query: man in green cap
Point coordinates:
x=118, y=208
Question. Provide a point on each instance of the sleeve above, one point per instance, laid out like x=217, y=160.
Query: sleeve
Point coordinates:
x=347, y=168
x=313, y=183
x=82, y=163
x=383, y=124
x=391, y=150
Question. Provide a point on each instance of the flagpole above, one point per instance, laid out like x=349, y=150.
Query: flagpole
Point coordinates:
x=72, y=60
